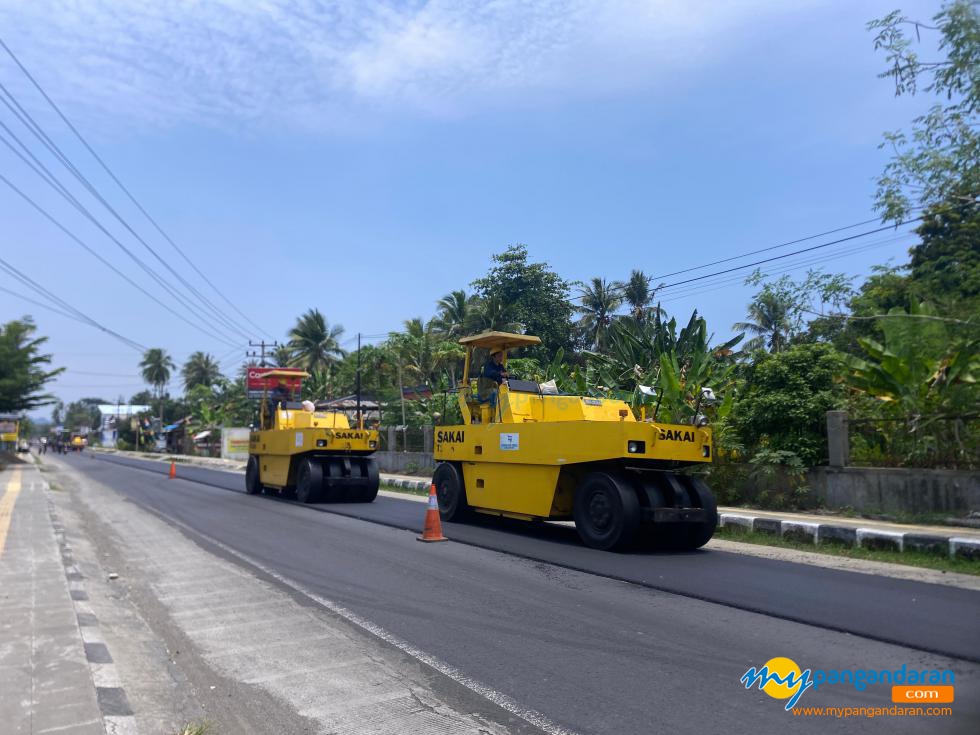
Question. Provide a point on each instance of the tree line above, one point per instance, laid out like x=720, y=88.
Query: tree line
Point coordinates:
x=898, y=350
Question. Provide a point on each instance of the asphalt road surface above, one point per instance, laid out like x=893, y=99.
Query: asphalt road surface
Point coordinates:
x=598, y=642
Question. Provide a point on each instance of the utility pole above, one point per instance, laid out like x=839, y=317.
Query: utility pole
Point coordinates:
x=360, y=423
x=262, y=345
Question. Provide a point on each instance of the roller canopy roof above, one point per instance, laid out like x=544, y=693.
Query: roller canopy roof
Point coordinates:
x=494, y=341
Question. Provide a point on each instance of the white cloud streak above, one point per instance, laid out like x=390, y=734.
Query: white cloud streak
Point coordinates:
x=316, y=65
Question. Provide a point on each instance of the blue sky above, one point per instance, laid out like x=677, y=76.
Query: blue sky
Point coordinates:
x=366, y=159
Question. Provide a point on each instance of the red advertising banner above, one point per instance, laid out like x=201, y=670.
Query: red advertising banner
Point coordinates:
x=258, y=380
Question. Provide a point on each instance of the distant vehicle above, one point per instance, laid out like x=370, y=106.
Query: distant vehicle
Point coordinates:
x=314, y=453
x=23, y=446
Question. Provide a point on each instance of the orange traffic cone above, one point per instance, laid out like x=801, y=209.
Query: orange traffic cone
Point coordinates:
x=433, y=526
x=173, y=470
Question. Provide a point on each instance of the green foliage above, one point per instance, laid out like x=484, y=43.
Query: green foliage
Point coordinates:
x=779, y=312
x=945, y=266
x=939, y=159
x=458, y=314
x=926, y=376
x=532, y=295
x=677, y=364
x=200, y=369
x=637, y=294
x=84, y=412
x=156, y=366
x=24, y=368
x=599, y=301
x=313, y=343
x=784, y=400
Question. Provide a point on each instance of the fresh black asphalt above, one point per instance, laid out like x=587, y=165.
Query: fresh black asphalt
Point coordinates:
x=589, y=651
x=932, y=618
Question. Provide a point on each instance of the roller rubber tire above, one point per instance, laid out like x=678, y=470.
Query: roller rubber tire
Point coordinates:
x=700, y=533
x=451, y=492
x=373, y=482
x=309, y=481
x=607, y=511
x=253, y=486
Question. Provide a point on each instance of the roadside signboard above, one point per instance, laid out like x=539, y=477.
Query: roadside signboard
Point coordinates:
x=8, y=431
x=257, y=381
x=234, y=442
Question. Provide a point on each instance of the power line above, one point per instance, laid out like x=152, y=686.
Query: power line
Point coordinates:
x=125, y=190
x=105, y=262
x=766, y=249
x=38, y=167
x=80, y=316
x=727, y=282
x=37, y=303
x=788, y=255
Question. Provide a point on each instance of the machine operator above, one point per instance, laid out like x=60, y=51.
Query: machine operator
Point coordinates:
x=492, y=375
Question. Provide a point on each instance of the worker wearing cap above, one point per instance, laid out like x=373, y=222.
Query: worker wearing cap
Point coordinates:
x=493, y=374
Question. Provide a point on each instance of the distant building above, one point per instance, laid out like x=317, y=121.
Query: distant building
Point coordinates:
x=112, y=414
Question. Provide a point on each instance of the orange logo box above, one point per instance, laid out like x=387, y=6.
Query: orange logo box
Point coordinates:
x=922, y=695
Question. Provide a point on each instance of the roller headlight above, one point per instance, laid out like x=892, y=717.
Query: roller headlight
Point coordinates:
x=636, y=447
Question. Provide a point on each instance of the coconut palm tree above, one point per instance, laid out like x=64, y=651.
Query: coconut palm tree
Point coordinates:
x=200, y=369
x=282, y=355
x=492, y=314
x=769, y=319
x=600, y=299
x=156, y=367
x=314, y=343
x=638, y=295
x=456, y=313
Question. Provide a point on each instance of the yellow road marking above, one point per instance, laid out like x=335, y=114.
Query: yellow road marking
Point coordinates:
x=7, y=507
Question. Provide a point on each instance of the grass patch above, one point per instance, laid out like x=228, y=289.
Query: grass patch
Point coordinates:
x=196, y=728
x=404, y=491
x=941, y=563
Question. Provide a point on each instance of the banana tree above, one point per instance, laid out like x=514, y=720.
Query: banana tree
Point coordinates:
x=923, y=374
x=679, y=365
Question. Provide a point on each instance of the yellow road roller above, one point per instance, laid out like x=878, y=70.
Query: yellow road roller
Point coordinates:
x=524, y=451
x=299, y=448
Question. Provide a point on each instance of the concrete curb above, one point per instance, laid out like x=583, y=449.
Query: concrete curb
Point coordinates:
x=856, y=537
x=404, y=484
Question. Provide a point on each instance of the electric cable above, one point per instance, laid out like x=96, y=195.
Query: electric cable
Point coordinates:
x=122, y=187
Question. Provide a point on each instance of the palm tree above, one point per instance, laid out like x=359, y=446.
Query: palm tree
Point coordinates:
x=638, y=295
x=282, y=355
x=155, y=367
x=200, y=369
x=769, y=320
x=600, y=299
x=456, y=314
x=314, y=343
x=492, y=314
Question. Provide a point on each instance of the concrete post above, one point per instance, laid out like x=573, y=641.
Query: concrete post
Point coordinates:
x=391, y=439
x=427, y=439
x=838, y=442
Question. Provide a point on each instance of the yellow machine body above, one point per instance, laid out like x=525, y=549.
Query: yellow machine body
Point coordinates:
x=296, y=433
x=315, y=454
x=527, y=456
x=512, y=466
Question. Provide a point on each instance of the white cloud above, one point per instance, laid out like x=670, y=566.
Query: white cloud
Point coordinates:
x=302, y=63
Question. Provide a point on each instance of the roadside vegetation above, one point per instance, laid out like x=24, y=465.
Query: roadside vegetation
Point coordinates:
x=898, y=350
